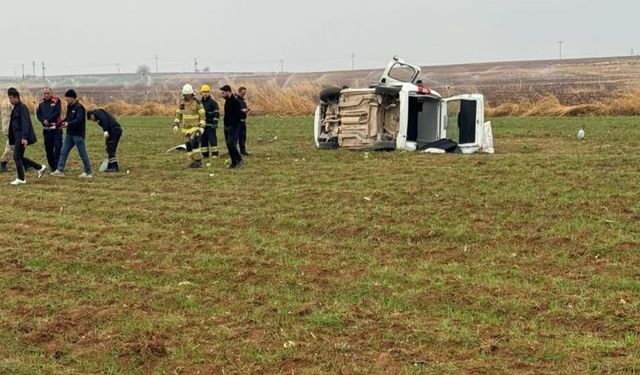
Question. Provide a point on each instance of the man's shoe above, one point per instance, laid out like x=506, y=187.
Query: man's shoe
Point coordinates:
x=85, y=175
x=41, y=171
x=57, y=173
x=3, y=167
x=112, y=168
x=240, y=164
x=196, y=164
x=232, y=166
x=18, y=182
x=245, y=154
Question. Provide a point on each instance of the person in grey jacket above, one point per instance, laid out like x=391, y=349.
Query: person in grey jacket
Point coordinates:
x=5, y=111
x=22, y=135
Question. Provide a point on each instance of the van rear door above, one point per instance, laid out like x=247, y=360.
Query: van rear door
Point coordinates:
x=463, y=122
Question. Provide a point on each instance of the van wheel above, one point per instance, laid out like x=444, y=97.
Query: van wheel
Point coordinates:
x=388, y=91
x=330, y=95
x=331, y=144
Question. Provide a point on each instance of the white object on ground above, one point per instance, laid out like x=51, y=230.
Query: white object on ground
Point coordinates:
x=434, y=151
x=581, y=134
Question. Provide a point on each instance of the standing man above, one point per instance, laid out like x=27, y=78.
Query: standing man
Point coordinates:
x=49, y=114
x=5, y=111
x=212, y=116
x=21, y=135
x=112, y=133
x=75, y=123
x=232, y=120
x=242, y=97
x=190, y=117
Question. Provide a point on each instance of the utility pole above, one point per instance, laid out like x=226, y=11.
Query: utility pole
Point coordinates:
x=34, y=68
x=44, y=69
x=118, y=65
x=281, y=65
x=156, y=57
x=353, y=61
x=632, y=52
x=23, y=72
x=560, y=43
x=195, y=60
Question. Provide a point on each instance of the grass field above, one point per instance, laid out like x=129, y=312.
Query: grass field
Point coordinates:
x=307, y=262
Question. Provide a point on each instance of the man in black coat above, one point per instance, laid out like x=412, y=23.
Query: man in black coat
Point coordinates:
x=75, y=123
x=49, y=114
x=21, y=135
x=242, y=97
x=112, y=133
x=232, y=119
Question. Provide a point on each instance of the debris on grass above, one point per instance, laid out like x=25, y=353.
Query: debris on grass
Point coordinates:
x=289, y=345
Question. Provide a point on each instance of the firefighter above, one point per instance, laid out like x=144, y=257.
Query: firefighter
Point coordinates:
x=112, y=133
x=190, y=118
x=212, y=116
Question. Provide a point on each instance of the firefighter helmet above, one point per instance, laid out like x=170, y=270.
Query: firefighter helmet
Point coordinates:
x=187, y=89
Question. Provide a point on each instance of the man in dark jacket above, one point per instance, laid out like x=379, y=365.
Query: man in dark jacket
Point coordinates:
x=112, y=133
x=209, y=140
x=75, y=123
x=21, y=135
x=242, y=97
x=49, y=114
x=232, y=119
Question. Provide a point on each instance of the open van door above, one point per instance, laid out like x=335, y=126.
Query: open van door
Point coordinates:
x=463, y=122
x=399, y=72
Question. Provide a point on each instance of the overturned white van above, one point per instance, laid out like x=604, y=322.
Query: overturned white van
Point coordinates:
x=397, y=114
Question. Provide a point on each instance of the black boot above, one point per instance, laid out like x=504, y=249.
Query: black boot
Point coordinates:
x=196, y=164
x=3, y=167
x=113, y=168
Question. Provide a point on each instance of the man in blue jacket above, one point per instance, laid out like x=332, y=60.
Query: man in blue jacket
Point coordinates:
x=75, y=123
x=21, y=135
x=49, y=114
x=112, y=133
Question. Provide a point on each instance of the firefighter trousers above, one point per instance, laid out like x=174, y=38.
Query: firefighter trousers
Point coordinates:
x=192, y=141
x=209, y=141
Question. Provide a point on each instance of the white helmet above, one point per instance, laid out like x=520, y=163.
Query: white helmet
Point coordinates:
x=187, y=89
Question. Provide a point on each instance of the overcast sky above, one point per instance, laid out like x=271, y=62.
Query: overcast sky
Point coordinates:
x=90, y=36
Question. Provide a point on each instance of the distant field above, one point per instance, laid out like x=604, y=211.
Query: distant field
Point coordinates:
x=307, y=262
x=571, y=81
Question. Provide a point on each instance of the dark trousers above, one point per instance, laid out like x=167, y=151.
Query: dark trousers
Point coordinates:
x=242, y=137
x=112, y=147
x=232, y=135
x=192, y=142
x=21, y=161
x=209, y=141
x=53, y=146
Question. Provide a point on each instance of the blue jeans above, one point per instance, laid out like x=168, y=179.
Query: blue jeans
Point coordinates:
x=69, y=142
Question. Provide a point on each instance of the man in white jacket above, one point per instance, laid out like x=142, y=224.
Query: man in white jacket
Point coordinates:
x=5, y=111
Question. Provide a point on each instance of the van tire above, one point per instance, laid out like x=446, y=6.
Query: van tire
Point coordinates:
x=330, y=95
x=331, y=144
x=388, y=91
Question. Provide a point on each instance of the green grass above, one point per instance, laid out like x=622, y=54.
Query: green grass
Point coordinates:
x=526, y=261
